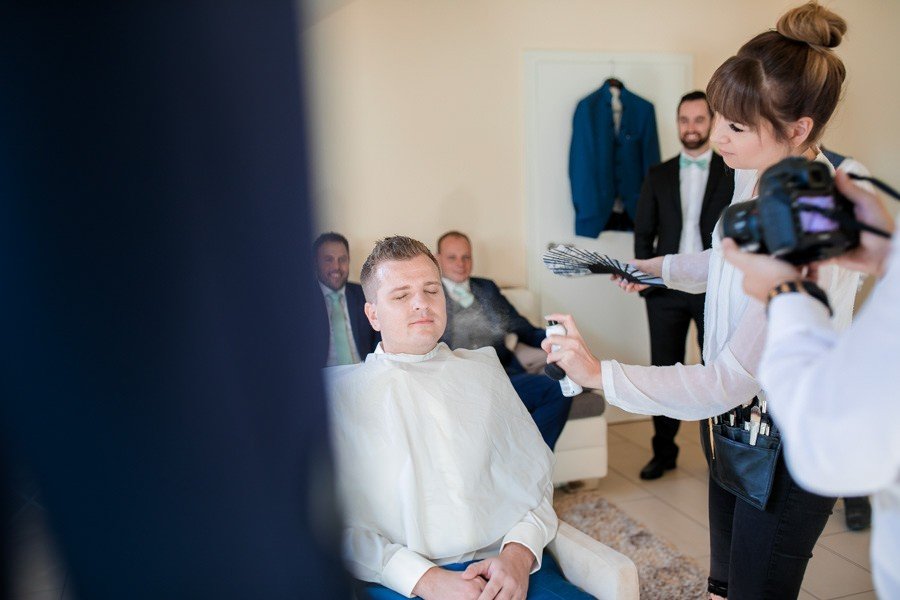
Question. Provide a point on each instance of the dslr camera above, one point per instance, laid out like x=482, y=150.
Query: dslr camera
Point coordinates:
x=799, y=215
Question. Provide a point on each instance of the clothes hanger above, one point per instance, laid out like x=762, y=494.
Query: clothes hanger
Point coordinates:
x=613, y=82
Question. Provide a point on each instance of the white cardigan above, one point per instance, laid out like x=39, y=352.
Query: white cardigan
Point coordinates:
x=734, y=334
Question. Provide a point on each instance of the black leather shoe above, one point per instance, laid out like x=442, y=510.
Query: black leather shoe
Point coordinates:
x=857, y=513
x=656, y=467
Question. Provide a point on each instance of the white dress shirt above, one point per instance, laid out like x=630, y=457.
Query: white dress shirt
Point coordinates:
x=438, y=462
x=734, y=335
x=693, y=187
x=332, y=355
x=615, y=102
x=834, y=397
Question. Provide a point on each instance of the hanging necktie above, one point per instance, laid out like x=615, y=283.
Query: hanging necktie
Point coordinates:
x=339, y=337
x=461, y=295
x=700, y=163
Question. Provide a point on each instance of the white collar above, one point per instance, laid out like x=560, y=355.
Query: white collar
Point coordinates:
x=752, y=179
x=327, y=291
x=454, y=285
x=407, y=358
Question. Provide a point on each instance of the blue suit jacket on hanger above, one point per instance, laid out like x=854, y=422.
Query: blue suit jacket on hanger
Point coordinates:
x=604, y=165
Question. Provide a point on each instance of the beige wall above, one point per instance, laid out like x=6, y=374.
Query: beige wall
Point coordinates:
x=418, y=104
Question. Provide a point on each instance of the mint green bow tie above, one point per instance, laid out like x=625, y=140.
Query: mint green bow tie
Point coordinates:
x=700, y=163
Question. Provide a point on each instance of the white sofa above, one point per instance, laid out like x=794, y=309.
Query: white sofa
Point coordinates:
x=581, y=451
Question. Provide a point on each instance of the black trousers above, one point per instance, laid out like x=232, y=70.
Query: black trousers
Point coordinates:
x=669, y=313
x=762, y=554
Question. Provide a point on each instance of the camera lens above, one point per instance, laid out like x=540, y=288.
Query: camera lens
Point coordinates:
x=740, y=222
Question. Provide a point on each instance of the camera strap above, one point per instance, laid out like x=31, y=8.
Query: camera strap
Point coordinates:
x=877, y=183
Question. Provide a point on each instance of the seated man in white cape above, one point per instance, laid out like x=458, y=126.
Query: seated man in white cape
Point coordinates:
x=443, y=475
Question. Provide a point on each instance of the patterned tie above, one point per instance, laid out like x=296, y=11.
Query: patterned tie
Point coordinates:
x=461, y=295
x=700, y=163
x=339, y=336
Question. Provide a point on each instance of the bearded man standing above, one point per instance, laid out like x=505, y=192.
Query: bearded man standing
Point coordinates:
x=680, y=202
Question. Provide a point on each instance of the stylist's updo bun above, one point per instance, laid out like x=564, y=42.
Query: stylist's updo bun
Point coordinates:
x=813, y=24
x=781, y=76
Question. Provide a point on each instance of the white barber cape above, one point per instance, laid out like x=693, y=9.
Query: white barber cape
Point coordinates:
x=438, y=462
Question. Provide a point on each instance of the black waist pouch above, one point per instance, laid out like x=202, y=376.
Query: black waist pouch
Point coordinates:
x=744, y=470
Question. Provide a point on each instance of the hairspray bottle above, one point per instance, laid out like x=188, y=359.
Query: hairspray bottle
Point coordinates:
x=554, y=371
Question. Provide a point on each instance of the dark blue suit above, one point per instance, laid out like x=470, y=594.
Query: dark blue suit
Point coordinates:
x=540, y=394
x=364, y=336
x=834, y=158
x=604, y=165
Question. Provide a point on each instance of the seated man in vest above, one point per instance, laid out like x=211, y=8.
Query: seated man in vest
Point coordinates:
x=479, y=315
x=445, y=486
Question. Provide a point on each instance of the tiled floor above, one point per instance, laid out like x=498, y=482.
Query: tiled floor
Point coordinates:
x=675, y=508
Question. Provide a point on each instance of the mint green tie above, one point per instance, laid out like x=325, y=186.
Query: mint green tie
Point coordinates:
x=700, y=163
x=463, y=297
x=339, y=336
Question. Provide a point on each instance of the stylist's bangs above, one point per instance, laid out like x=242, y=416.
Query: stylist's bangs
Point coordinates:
x=738, y=92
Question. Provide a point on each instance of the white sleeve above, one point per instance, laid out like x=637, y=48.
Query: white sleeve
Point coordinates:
x=372, y=557
x=695, y=391
x=686, y=272
x=841, y=286
x=537, y=529
x=834, y=397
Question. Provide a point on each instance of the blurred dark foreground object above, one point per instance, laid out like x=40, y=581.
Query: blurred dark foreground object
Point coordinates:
x=858, y=513
x=159, y=374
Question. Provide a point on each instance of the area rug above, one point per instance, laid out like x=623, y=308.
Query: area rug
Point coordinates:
x=664, y=573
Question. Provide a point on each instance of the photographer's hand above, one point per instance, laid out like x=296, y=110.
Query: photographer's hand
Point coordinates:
x=573, y=355
x=761, y=272
x=869, y=257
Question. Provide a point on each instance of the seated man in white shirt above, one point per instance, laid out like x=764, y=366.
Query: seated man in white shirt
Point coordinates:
x=445, y=486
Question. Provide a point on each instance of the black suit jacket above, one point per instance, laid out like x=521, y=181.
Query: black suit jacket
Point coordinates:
x=364, y=336
x=657, y=226
x=500, y=312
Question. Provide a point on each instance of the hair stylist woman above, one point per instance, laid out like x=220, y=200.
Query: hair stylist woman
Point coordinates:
x=772, y=100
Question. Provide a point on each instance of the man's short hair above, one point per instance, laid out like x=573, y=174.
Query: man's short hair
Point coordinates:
x=696, y=95
x=330, y=236
x=396, y=247
x=454, y=233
